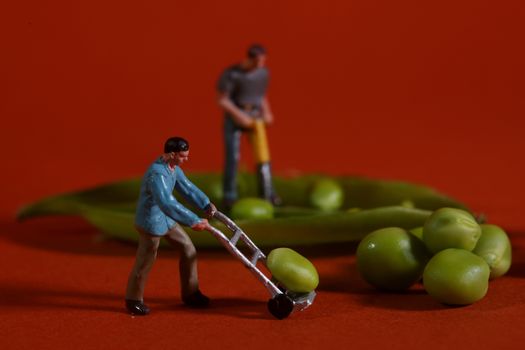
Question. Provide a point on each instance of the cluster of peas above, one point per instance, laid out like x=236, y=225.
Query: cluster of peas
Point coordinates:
x=455, y=256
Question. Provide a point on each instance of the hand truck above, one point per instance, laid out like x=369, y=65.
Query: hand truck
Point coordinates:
x=282, y=302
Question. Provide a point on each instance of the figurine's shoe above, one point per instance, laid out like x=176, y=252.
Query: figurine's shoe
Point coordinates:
x=137, y=307
x=196, y=300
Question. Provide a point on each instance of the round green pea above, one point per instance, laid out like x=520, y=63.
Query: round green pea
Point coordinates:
x=327, y=195
x=495, y=248
x=252, y=208
x=391, y=259
x=450, y=228
x=456, y=277
x=292, y=270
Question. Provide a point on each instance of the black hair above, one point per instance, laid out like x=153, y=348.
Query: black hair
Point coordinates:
x=255, y=50
x=176, y=144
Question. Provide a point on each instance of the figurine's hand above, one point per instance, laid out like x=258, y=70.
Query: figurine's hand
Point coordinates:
x=268, y=118
x=201, y=225
x=210, y=210
x=247, y=123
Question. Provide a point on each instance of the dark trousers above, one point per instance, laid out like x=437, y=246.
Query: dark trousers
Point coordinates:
x=232, y=143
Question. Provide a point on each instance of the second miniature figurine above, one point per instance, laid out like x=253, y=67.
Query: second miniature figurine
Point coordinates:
x=159, y=215
x=242, y=96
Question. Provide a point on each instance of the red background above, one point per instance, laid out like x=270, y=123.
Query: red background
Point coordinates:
x=431, y=92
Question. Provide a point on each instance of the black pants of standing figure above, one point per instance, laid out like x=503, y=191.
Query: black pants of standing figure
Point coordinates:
x=232, y=143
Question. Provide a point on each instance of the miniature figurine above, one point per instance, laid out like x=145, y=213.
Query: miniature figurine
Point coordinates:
x=159, y=215
x=242, y=96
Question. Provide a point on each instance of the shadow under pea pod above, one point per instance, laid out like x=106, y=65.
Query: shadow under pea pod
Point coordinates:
x=64, y=234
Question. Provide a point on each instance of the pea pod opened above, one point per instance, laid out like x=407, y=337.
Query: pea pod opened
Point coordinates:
x=292, y=270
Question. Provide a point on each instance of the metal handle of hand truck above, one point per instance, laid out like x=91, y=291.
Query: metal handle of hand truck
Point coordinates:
x=230, y=245
x=238, y=233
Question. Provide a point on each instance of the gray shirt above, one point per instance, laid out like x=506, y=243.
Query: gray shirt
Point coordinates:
x=244, y=87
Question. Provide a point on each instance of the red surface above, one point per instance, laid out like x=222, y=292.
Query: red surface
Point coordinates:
x=60, y=288
x=430, y=92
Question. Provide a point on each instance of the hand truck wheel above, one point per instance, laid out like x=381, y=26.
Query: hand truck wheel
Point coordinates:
x=280, y=306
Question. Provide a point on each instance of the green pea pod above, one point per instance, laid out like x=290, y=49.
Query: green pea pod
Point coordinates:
x=295, y=193
x=111, y=208
x=292, y=231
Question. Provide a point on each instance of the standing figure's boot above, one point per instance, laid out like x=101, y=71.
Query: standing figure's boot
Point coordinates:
x=265, y=183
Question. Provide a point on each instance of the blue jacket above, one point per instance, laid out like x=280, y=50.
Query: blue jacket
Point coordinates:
x=157, y=208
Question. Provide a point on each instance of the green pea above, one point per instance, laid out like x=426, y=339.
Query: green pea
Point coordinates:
x=451, y=228
x=252, y=208
x=456, y=277
x=391, y=259
x=327, y=195
x=292, y=270
x=495, y=248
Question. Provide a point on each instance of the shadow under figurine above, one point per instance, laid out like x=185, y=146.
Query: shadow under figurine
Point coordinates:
x=242, y=96
x=159, y=215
